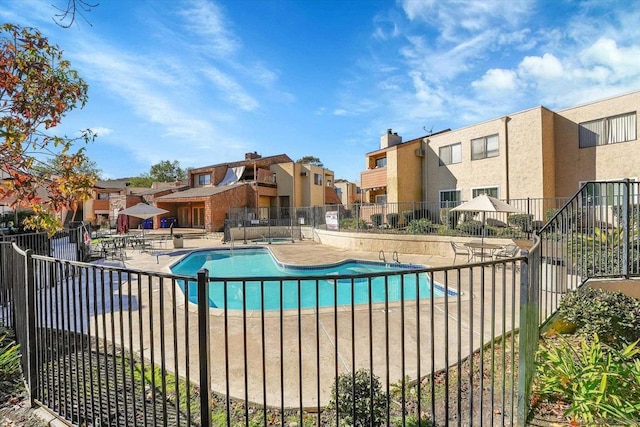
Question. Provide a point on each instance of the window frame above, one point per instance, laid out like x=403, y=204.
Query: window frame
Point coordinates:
x=475, y=191
x=449, y=148
x=485, y=153
x=202, y=177
x=317, y=179
x=381, y=162
x=589, y=136
x=446, y=203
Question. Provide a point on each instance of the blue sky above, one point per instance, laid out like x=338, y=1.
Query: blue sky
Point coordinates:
x=203, y=82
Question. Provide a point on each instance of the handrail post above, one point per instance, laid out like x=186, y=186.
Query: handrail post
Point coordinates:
x=203, y=347
x=526, y=349
x=30, y=300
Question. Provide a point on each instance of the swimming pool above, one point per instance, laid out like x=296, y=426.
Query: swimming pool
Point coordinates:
x=402, y=281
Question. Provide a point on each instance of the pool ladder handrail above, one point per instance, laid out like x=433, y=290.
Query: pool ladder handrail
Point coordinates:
x=381, y=256
x=395, y=257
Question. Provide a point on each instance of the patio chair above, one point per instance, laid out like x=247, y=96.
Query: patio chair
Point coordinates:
x=459, y=249
x=509, y=251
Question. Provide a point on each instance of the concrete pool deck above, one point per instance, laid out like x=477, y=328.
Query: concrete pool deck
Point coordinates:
x=317, y=343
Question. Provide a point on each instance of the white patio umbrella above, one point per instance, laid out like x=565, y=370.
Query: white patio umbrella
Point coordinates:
x=143, y=211
x=484, y=204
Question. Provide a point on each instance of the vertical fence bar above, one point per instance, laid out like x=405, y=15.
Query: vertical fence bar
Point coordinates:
x=32, y=370
x=203, y=347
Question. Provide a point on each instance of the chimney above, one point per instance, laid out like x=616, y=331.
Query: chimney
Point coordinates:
x=252, y=156
x=390, y=139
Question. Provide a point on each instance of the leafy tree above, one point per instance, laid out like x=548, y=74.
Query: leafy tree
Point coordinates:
x=37, y=88
x=310, y=160
x=53, y=164
x=167, y=171
x=143, y=180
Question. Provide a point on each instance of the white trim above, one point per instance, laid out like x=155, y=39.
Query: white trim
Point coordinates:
x=483, y=187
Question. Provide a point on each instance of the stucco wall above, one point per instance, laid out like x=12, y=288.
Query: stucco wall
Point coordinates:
x=613, y=161
x=371, y=242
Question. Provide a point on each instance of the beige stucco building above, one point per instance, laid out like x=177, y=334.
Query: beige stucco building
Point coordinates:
x=536, y=153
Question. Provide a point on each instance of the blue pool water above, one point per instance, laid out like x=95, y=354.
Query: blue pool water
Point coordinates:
x=303, y=293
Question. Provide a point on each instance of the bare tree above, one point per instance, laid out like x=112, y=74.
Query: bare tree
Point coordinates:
x=68, y=16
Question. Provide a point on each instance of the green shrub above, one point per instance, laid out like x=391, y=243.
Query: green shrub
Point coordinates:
x=352, y=223
x=449, y=218
x=522, y=221
x=474, y=228
x=367, y=392
x=420, y=226
x=393, y=219
x=376, y=219
x=612, y=315
x=549, y=213
x=601, y=384
x=408, y=216
x=9, y=358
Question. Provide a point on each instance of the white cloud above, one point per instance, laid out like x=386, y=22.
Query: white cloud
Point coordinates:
x=101, y=132
x=605, y=53
x=207, y=20
x=340, y=112
x=496, y=80
x=232, y=91
x=547, y=67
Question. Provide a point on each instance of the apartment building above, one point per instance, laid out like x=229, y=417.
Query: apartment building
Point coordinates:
x=536, y=153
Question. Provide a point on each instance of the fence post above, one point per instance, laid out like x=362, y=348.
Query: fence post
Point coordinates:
x=30, y=299
x=526, y=357
x=529, y=328
x=203, y=347
x=626, y=224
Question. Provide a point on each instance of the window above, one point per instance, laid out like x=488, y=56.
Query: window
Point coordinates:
x=204, y=179
x=450, y=154
x=489, y=191
x=484, y=147
x=381, y=198
x=317, y=179
x=449, y=198
x=381, y=162
x=609, y=130
x=103, y=196
x=604, y=193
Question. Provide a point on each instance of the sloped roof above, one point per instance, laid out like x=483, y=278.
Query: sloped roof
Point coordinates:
x=199, y=192
x=278, y=158
x=152, y=191
x=113, y=183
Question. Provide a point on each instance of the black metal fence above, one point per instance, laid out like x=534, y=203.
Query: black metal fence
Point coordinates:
x=596, y=234
x=406, y=218
x=112, y=346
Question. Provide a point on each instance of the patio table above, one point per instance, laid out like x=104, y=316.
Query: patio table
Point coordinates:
x=483, y=250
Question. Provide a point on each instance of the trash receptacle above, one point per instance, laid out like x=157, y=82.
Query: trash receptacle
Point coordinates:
x=178, y=241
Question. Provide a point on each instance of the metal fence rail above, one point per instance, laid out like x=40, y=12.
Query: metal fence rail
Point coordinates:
x=408, y=218
x=596, y=234
x=112, y=346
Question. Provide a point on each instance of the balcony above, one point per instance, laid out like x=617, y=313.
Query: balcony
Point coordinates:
x=373, y=178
